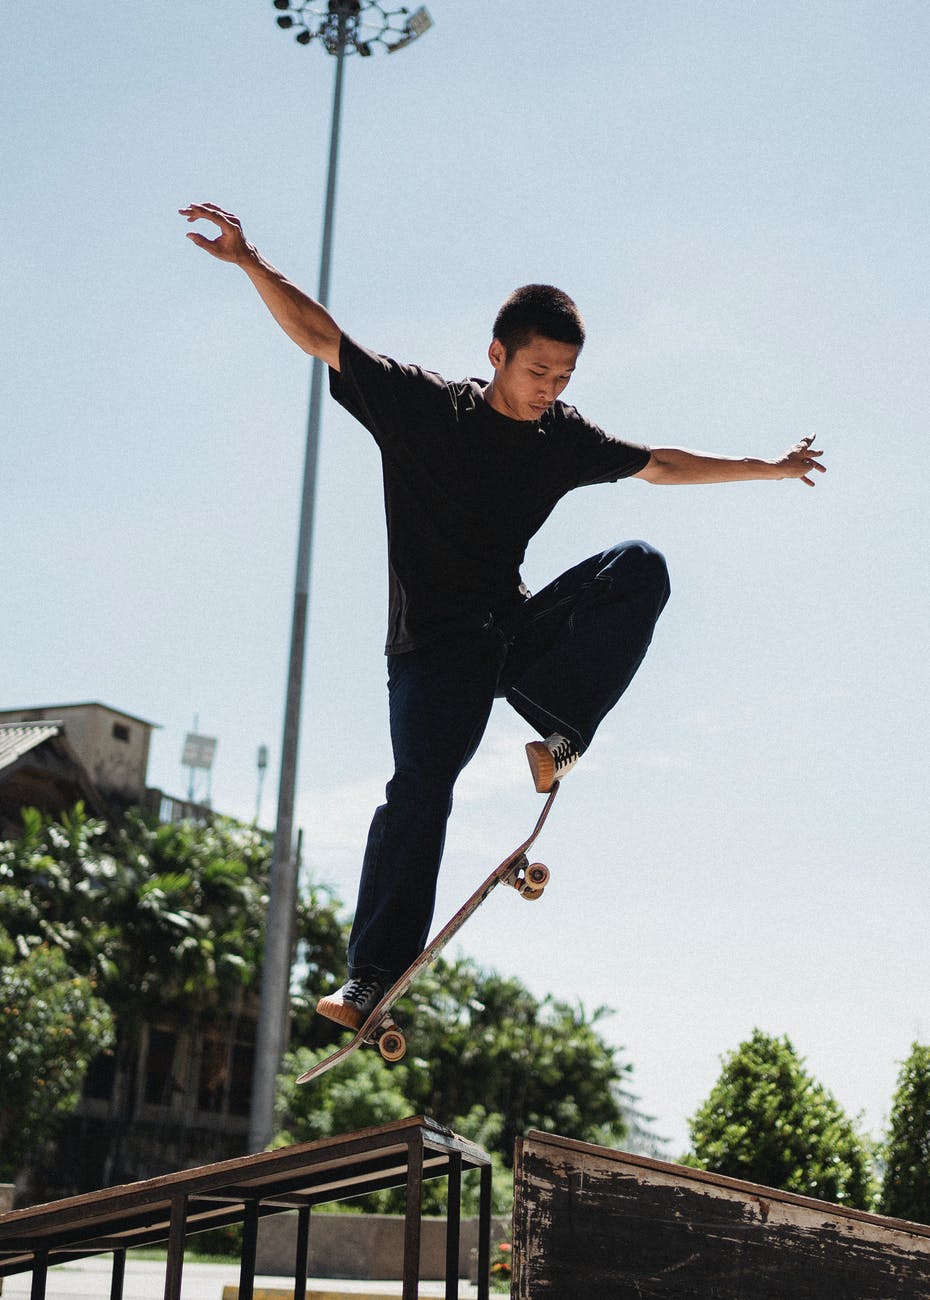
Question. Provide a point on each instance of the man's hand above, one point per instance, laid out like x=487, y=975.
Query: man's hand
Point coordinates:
x=799, y=460
x=230, y=245
x=300, y=316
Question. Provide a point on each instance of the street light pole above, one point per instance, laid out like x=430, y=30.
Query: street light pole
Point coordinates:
x=343, y=27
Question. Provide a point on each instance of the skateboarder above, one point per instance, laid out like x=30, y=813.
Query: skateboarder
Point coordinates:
x=471, y=471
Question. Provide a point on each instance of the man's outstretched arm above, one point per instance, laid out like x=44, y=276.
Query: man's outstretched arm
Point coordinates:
x=671, y=465
x=303, y=319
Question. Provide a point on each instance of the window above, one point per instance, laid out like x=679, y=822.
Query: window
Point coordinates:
x=158, y=1065
x=121, y=732
x=101, y=1074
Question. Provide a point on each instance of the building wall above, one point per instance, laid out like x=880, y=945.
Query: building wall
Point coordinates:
x=113, y=746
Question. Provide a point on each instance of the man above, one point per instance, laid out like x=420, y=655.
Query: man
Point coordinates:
x=471, y=472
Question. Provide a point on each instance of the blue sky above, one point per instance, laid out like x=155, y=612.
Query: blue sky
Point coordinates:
x=736, y=195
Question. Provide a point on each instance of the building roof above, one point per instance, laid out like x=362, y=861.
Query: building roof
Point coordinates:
x=17, y=738
x=85, y=704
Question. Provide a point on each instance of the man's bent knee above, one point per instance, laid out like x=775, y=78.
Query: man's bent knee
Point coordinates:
x=637, y=562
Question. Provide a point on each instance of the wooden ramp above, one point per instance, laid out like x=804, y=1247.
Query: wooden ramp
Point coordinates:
x=174, y=1206
x=591, y=1222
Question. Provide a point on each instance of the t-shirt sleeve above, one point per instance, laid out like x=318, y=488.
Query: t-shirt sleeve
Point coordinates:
x=392, y=400
x=600, y=457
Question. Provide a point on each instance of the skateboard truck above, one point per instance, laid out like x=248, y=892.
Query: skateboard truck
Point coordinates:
x=529, y=879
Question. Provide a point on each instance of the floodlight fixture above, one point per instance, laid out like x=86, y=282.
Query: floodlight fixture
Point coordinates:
x=352, y=26
x=416, y=24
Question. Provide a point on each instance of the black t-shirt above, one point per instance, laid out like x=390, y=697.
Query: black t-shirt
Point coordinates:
x=465, y=488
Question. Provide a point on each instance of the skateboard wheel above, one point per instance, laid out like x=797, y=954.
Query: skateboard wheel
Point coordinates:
x=530, y=894
x=392, y=1045
x=537, y=876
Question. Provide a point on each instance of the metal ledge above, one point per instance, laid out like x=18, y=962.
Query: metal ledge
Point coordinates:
x=174, y=1206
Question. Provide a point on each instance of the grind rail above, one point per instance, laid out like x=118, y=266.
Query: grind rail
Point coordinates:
x=172, y=1207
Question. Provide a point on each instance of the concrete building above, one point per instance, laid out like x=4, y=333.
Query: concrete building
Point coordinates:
x=111, y=746
x=55, y=754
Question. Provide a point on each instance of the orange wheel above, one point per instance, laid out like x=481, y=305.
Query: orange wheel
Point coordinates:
x=392, y=1045
x=530, y=894
x=537, y=876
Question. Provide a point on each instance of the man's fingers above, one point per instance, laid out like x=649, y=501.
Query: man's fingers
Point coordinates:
x=209, y=212
x=805, y=458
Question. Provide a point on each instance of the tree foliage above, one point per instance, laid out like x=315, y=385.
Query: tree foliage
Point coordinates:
x=159, y=915
x=52, y=1025
x=906, y=1184
x=767, y=1120
x=162, y=916
x=167, y=921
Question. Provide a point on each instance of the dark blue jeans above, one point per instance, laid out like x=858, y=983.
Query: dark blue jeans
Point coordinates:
x=562, y=662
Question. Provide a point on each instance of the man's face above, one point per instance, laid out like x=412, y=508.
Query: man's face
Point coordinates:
x=529, y=380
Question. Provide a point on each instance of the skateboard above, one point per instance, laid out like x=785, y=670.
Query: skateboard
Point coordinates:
x=380, y=1030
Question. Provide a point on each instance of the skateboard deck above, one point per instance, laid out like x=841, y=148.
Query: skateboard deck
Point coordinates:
x=379, y=1030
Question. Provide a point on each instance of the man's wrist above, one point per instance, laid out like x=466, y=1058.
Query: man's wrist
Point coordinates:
x=764, y=469
x=250, y=259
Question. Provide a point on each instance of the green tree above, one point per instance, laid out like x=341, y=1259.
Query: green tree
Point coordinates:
x=51, y=1026
x=906, y=1185
x=52, y=880
x=164, y=918
x=769, y=1121
x=168, y=920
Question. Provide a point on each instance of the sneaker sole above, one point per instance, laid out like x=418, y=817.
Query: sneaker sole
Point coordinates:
x=339, y=1012
x=542, y=766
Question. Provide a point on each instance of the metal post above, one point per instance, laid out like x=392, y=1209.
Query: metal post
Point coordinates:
x=118, y=1276
x=413, y=1218
x=177, y=1234
x=302, y=1252
x=484, y=1232
x=39, y=1275
x=453, y=1225
x=271, y=1036
x=249, y=1251
x=341, y=26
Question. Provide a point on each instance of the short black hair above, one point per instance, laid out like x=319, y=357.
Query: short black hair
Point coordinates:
x=538, y=309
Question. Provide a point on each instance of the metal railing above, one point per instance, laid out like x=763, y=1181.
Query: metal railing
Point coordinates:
x=170, y=1208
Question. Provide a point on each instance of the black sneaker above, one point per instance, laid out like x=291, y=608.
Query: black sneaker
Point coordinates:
x=550, y=760
x=352, y=1004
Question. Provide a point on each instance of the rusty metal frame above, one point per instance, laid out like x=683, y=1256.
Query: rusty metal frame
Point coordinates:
x=172, y=1207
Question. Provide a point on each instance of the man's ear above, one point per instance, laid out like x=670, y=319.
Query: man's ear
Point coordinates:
x=497, y=354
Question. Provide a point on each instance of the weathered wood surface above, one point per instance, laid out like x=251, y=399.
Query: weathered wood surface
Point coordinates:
x=590, y=1222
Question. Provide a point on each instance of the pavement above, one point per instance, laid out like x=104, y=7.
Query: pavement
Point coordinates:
x=145, y=1280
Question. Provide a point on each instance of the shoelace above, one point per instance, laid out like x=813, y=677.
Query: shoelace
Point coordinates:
x=360, y=991
x=563, y=753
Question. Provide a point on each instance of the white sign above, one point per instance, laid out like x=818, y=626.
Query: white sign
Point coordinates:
x=198, y=751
